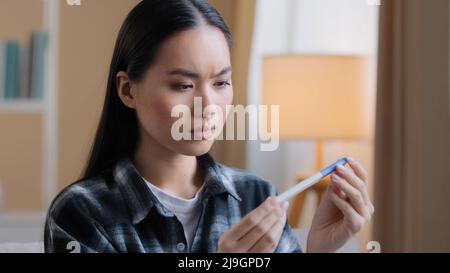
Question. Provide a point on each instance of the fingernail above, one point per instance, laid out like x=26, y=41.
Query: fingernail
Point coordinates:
x=285, y=204
x=351, y=160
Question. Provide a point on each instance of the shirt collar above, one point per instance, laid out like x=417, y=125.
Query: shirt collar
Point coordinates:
x=140, y=199
x=217, y=180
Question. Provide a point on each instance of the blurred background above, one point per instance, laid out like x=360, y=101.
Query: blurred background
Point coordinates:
x=363, y=78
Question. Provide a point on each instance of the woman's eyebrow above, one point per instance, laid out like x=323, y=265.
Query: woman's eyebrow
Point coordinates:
x=191, y=74
x=223, y=71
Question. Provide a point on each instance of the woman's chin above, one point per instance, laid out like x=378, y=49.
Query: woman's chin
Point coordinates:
x=195, y=147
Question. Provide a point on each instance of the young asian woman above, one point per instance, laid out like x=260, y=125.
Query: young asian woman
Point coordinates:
x=144, y=191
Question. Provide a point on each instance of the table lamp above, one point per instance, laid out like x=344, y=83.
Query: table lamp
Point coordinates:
x=320, y=97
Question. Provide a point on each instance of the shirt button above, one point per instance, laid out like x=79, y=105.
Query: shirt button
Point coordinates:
x=181, y=246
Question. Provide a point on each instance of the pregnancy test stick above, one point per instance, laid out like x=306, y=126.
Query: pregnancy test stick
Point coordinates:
x=310, y=181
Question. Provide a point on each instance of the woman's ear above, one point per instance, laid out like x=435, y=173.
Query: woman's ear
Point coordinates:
x=125, y=89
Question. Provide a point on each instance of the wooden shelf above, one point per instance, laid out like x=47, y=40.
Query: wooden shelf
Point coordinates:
x=21, y=106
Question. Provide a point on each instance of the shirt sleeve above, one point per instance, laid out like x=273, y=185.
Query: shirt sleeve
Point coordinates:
x=69, y=228
x=288, y=241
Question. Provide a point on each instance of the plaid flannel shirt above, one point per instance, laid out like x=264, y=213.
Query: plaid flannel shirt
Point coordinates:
x=117, y=212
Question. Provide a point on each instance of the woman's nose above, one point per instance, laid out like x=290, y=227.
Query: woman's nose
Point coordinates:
x=205, y=102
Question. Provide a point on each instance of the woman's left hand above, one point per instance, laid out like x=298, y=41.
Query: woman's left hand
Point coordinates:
x=344, y=210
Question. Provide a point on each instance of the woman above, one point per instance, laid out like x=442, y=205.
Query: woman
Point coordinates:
x=144, y=191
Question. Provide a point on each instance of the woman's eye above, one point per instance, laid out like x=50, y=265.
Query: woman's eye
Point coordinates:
x=222, y=84
x=183, y=86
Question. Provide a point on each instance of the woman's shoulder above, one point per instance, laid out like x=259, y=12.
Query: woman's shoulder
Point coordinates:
x=81, y=195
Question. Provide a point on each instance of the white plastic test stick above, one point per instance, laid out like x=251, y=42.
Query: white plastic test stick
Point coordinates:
x=310, y=181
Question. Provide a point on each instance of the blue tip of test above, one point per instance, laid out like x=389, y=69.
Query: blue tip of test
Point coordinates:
x=328, y=170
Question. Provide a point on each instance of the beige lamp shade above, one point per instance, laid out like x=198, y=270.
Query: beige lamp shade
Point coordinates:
x=320, y=97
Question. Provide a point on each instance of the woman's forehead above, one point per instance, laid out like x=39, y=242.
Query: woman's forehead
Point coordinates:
x=198, y=49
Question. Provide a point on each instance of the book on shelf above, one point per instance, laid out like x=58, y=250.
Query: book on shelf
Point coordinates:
x=2, y=69
x=12, y=70
x=39, y=46
x=23, y=68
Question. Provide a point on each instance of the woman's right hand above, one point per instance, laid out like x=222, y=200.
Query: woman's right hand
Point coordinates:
x=258, y=232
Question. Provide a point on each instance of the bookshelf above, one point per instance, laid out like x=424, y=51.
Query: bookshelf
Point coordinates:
x=34, y=117
x=44, y=143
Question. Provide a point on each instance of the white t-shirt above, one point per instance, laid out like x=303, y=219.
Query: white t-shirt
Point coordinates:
x=187, y=211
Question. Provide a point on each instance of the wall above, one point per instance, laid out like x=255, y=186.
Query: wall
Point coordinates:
x=86, y=33
x=20, y=131
x=433, y=219
x=87, y=38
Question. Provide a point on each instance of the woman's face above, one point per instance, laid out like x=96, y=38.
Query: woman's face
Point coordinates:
x=192, y=63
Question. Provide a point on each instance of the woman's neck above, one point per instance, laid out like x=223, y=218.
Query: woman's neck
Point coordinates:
x=175, y=173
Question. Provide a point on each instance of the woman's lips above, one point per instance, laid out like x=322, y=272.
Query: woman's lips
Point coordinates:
x=203, y=133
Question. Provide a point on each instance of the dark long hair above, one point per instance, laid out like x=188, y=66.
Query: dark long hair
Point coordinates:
x=146, y=27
